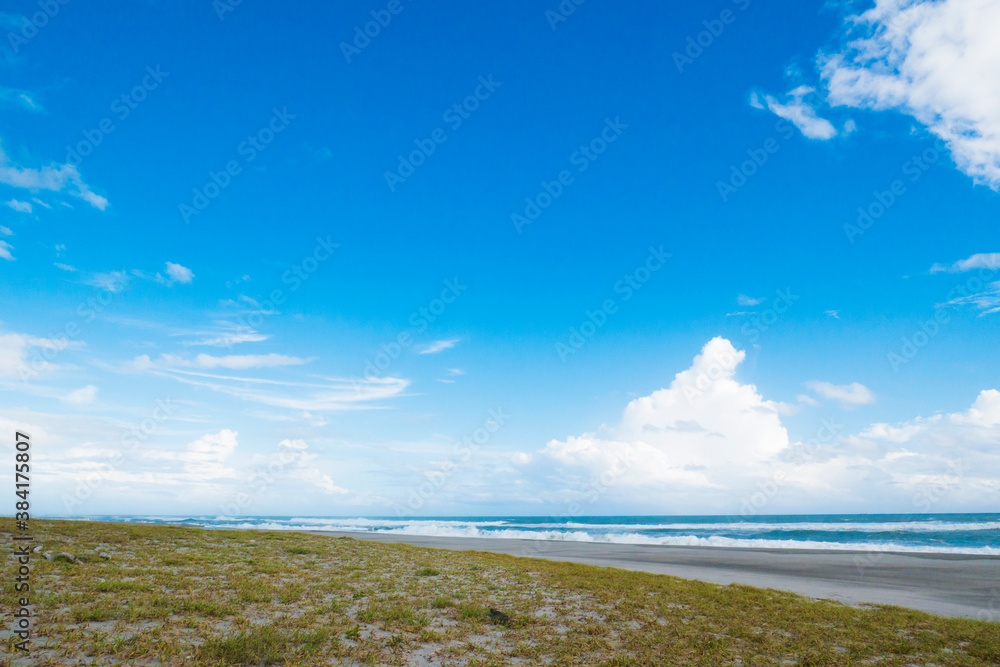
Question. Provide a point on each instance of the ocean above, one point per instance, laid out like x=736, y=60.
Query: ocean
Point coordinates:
x=936, y=533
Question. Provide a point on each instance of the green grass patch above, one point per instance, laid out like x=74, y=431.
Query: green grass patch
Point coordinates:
x=185, y=596
x=260, y=646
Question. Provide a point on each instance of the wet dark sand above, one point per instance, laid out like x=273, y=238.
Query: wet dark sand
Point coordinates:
x=944, y=584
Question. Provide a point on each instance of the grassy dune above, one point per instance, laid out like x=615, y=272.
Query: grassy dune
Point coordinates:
x=183, y=596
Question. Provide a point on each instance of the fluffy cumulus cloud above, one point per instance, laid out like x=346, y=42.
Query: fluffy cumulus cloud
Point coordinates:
x=699, y=433
x=83, y=396
x=928, y=463
x=294, y=462
x=935, y=61
x=709, y=443
x=982, y=260
x=179, y=274
x=205, y=458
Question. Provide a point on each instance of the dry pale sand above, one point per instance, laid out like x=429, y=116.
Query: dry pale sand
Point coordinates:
x=944, y=584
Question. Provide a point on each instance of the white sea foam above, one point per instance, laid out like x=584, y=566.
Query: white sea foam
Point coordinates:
x=428, y=528
x=858, y=526
x=897, y=536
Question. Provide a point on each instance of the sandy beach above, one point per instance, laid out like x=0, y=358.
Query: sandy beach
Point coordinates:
x=944, y=584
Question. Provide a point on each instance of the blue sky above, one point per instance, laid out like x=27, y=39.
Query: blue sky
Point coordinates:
x=645, y=254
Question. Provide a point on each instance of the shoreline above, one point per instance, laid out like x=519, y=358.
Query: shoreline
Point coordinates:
x=955, y=585
x=117, y=593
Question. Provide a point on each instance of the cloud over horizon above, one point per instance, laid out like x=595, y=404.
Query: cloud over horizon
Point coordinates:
x=707, y=442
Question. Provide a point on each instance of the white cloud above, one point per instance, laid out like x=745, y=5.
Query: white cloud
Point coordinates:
x=294, y=460
x=848, y=395
x=6, y=231
x=57, y=178
x=21, y=98
x=835, y=314
x=116, y=281
x=320, y=153
x=331, y=395
x=180, y=274
x=242, y=279
x=24, y=356
x=808, y=400
x=705, y=426
x=745, y=300
x=83, y=396
x=796, y=110
x=708, y=443
x=988, y=300
x=982, y=260
x=66, y=267
x=19, y=206
x=439, y=346
x=112, y=281
x=232, y=362
x=228, y=339
x=323, y=482
x=205, y=457
x=934, y=61
x=5, y=249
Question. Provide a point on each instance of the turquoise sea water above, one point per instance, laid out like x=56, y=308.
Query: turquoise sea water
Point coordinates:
x=941, y=533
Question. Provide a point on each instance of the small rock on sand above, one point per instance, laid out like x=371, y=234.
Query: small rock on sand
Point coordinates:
x=498, y=617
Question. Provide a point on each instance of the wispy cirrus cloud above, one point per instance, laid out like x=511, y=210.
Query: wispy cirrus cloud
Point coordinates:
x=62, y=178
x=231, y=362
x=329, y=395
x=112, y=281
x=22, y=99
x=987, y=300
x=116, y=281
x=439, y=346
x=19, y=206
x=83, y=396
x=848, y=395
x=228, y=338
x=795, y=109
x=17, y=353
